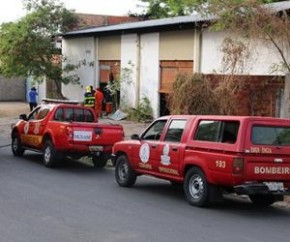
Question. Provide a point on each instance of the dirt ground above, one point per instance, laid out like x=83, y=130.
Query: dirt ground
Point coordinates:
x=13, y=109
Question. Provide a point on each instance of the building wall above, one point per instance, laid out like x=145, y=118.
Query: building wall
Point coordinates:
x=130, y=61
x=143, y=55
x=260, y=60
x=109, y=48
x=76, y=50
x=12, y=89
x=176, y=45
x=149, y=70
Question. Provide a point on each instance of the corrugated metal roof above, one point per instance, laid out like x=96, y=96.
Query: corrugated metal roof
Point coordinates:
x=141, y=25
x=161, y=23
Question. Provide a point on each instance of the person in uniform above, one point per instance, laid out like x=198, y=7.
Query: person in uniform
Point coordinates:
x=99, y=97
x=89, y=98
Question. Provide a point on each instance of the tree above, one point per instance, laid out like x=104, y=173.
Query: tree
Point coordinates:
x=28, y=46
x=172, y=8
x=169, y=8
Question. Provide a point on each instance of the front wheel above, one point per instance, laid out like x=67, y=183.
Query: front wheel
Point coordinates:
x=49, y=154
x=124, y=174
x=196, y=188
x=16, y=145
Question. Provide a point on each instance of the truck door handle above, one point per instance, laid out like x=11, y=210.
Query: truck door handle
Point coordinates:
x=174, y=148
x=154, y=146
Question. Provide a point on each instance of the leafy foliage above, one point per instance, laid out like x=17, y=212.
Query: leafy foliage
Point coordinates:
x=192, y=95
x=172, y=8
x=27, y=47
x=143, y=112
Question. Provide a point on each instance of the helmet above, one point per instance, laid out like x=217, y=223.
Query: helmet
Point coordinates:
x=88, y=89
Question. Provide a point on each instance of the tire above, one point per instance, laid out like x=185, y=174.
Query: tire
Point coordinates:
x=49, y=154
x=262, y=200
x=99, y=161
x=124, y=174
x=196, y=188
x=16, y=145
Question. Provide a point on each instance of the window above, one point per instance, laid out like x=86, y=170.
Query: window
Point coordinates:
x=74, y=114
x=217, y=131
x=89, y=116
x=267, y=135
x=175, y=130
x=154, y=132
x=33, y=115
x=79, y=115
x=58, y=115
x=68, y=114
x=42, y=113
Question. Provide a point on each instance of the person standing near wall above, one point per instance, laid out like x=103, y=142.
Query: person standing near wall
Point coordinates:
x=89, y=98
x=99, y=97
x=32, y=98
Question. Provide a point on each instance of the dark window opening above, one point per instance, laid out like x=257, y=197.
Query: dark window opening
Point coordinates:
x=217, y=131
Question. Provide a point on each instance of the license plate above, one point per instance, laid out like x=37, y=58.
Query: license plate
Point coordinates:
x=82, y=135
x=96, y=148
x=275, y=186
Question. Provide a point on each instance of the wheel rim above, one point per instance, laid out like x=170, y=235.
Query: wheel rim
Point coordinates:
x=196, y=187
x=123, y=171
x=47, y=154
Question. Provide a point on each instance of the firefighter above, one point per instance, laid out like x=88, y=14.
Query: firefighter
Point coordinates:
x=89, y=98
x=99, y=97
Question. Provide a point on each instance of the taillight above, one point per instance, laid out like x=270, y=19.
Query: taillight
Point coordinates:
x=238, y=165
x=69, y=132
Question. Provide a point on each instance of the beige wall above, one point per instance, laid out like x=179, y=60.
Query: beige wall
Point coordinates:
x=12, y=89
x=109, y=48
x=176, y=45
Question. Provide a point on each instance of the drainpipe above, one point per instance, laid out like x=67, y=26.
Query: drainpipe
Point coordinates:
x=197, y=51
x=95, y=61
x=138, y=71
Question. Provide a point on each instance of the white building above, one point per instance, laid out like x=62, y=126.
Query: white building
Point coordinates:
x=150, y=53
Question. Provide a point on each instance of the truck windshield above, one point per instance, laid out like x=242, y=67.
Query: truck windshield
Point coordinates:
x=270, y=135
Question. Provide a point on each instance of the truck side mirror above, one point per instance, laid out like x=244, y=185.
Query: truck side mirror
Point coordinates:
x=135, y=137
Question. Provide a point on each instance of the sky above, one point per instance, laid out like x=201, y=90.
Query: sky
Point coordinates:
x=12, y=10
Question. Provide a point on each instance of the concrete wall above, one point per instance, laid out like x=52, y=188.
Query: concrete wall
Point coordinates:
x=76, y=50
x=176, y=45
x=260, y=60
x=149, y=70
x=12, y=89
x=130, y=88
x=285, y=112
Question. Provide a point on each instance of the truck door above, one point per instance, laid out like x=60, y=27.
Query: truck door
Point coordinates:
x=170, y=149
x=36, y=125
x=145, y=154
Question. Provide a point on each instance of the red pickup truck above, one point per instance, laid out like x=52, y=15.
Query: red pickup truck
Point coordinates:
x=210, y=155
x=59, y=130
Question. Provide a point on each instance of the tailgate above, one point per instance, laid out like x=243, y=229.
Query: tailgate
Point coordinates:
x=96, y=134
x=267, y=168
x=267, y=145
